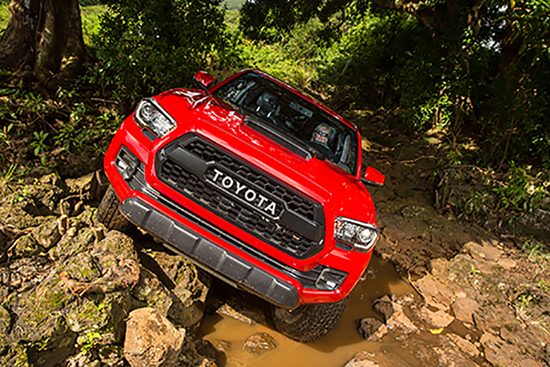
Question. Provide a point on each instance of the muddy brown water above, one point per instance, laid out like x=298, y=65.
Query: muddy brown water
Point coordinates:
x=333, y=350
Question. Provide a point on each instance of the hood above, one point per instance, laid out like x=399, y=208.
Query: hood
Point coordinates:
x=322, y=180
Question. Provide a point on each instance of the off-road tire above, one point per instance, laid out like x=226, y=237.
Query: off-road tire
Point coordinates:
x=108, y=212
x=308, y=322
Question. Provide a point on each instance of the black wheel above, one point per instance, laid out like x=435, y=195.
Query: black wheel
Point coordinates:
x=108, y=212
x=309, y=322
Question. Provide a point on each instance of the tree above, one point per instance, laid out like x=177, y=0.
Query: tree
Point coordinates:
x=145, y=46
x=44, y=36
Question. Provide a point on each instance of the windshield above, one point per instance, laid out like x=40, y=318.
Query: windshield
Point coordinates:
x=261, y=98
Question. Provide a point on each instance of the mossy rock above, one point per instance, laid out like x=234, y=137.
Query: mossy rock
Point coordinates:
x=47, y=234
x=15, y=356
x=152, y=292
x=82, y=267
x=26, y=246
x=115, y=243
x=74, y=241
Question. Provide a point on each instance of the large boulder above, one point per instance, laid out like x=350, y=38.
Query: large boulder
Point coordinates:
x=187, y=285
x=151, y=340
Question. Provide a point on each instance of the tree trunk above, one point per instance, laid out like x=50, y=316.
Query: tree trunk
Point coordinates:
x=44, y=36
x=17, y=42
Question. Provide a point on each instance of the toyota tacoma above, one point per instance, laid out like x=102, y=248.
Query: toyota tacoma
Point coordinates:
x=255, y=182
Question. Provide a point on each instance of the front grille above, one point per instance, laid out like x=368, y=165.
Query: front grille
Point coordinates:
x=295, y=202
x=175, y=172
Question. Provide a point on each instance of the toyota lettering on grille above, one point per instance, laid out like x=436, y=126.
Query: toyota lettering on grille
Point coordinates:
x=244, y=192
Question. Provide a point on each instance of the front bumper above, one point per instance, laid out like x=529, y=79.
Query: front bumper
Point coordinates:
x=210, y=256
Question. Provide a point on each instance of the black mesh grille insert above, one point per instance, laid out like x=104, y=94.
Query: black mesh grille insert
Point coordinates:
x=294, y=202
x=270, y=231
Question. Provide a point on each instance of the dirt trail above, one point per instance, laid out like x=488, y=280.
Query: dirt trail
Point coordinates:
x=463, y=296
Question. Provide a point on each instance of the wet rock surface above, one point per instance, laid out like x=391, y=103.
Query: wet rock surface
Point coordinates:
x=68, y=286
x=259, y=343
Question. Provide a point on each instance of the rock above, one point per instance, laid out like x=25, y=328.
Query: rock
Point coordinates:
x=152, y=292
x=82, y=359
x=439, y=268
x=5, y=321
x=486, y=251
x=47, y=234
x=228, y=311
x=40, y=323
x=117, y=259
x=4, y=240
x=491, y=317
x=435, y=293
x=24, y=273
x=82, y=267
x=500, y=353
x=111, y=356
x=535, y=223
x=102, y=316
x=507, y=264
x=361, y=359
x=25, y=246
x=222, y=345
x=372, y=329
x=395, y=317
x=188, y=286
x=411, y=211
x=464, y=308
x=75, y=240
x=437, y=319
x=384, y=306
x=197, y=352
x=464, y=345
x=151, y=340
x=259, y=343
x=15, y=356
x=530, y=338
x=450, y=357
x=88, y=187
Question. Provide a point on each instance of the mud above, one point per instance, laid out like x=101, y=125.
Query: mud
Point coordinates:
x=230, y=334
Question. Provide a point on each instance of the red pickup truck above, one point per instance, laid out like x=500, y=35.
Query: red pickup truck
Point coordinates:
x=256, y=183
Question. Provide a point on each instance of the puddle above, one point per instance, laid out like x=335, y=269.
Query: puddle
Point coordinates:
x=333, y=350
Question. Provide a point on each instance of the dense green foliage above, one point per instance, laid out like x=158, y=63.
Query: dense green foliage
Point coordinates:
x=4, y=15
x=90, y=21
x=146, y=46
x=479, y=69
x=234, y=4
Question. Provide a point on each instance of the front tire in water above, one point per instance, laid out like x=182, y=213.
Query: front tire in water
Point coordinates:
x=308, y=322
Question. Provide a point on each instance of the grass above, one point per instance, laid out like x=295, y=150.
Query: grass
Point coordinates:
x=234, y=4
x=90, y=19
x=4, y=15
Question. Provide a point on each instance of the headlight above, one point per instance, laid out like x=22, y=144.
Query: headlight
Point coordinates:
x=150, y=115
x=362, y=236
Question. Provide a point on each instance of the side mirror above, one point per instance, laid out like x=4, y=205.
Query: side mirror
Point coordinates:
x=373, y=177
x=204, y=80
